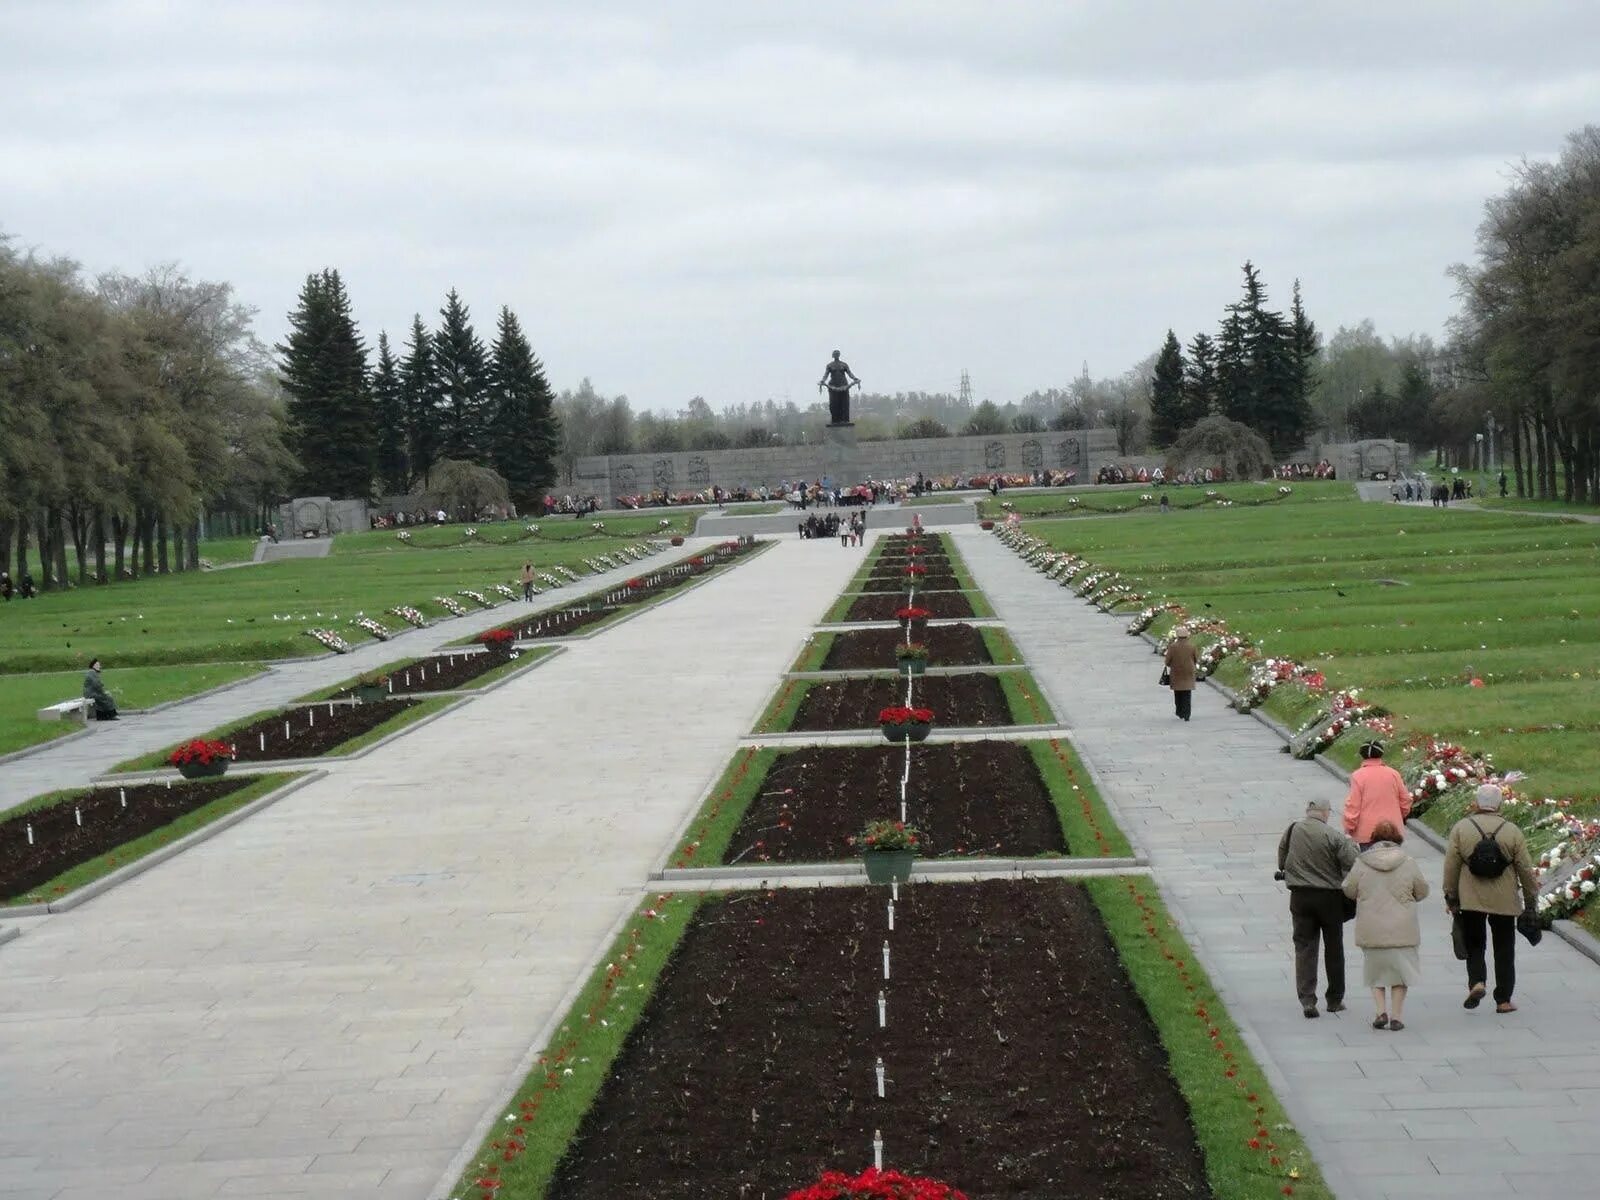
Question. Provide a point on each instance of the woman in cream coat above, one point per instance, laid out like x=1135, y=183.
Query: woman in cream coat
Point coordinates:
x=1386, y=884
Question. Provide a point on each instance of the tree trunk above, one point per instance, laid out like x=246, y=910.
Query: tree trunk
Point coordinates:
x=58, y=528
x=46, y=550
x=97, y=531
x=119, y=531
x=1539, y=450
x=6, y=525
x=194, y=545
x=22, y=549
x=78, y=524
x=1516, y=452
x=160, y=526
x=147, y=536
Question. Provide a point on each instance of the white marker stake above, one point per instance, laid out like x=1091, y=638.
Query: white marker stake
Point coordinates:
x=30, y=835
x=877, y=1149
x=880, y=1079
x=263, y=736
x=883, y=1011
x=886, y=960
x=77, y=815
x=894, y=889
x=311, y=718
x=286, y=731
x=902, y=812
x=330, y=708
x=122, y=794
x=891, y=916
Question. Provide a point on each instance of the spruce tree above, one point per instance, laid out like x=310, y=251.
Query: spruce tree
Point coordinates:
x=324, y=370
x=1167, y=405
x=1200, y=382
x=523, y=432
x=389, y=409
x=463, y=379
x=1305, y=346
x=419, y=398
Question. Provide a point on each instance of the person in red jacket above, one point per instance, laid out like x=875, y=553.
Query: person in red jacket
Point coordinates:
x=1377, y=794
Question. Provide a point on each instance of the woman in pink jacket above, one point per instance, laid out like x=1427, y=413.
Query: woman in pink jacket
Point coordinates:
x=1377, y=794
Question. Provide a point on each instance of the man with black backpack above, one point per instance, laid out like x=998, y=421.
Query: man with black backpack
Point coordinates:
x=1484, y=897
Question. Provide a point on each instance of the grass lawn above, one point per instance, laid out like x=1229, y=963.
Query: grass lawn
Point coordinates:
x=402, y=718
x=1407, y=603
x=1093, y=500
x=924, y=501
x=21, y=696
x=261, y=612
x=112, y=860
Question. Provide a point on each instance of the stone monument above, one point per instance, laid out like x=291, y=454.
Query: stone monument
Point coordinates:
x=838, y=379
x=841, y=454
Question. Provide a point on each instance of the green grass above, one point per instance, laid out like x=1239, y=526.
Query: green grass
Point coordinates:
x=924, y=501
x=709, y=834
x=814, y=653
x=780, y=710
x=1185, y=1009
x=1095, y=500
x=1408, y=603
x=618, y=531
x=552, y=1101
x=261, y=612
x=112, y=860
x=1002, y=650
x=21, y=696
x=402, y=718
x=1024, y=699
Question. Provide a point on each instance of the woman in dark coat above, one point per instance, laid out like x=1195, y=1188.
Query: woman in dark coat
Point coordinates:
x=1183, y=662
x=105, y=708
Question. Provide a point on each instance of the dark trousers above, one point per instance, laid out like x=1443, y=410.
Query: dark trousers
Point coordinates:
x=1503, y=930
x=1180, y=702
x=1317, y=913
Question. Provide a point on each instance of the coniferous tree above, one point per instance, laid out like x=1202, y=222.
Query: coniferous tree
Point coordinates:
x=462, y=371
x=419, y=398
x=1200, y=382
x=389, y=409
x=1233, y=384
x=523, y=433
x=324, y=370
x=1167, y=405
x=1307, y=346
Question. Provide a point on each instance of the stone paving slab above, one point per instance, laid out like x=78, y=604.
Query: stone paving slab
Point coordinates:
x=74, y=761
x=325, y=999
x=1207, y=801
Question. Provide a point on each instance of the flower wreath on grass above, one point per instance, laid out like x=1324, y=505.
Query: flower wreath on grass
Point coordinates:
x=1344, y=712
x=454, y=607
x=477, y=598
x=372, y=627
x=1146, y=617
x=506, y=591
x=330, y=639
x=409, y=615
x=873, y=1184
x=1267, y=674
x=200, y=751
x=1215, y=652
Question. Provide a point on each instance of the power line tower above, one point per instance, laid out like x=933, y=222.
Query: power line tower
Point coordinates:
x=966, y=389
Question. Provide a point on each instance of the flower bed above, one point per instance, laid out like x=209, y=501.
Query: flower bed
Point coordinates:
x=82, y=826
x=438, y=673
x=875, y=649
x=885, y=606
x=734, y=983
x=969, y=798
x=305, y=732
x=960, y=700
x=941, y=582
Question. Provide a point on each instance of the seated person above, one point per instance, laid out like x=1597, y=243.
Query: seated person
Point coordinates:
x=105, y=708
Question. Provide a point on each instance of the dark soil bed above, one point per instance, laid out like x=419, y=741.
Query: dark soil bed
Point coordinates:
x=983, y=798
x=313, y=730
x=60, y=843
x=957, y=700
x=896, y=581
x=1021, y=1063
x=440, y=673
x=883, y=606
x=873, y=649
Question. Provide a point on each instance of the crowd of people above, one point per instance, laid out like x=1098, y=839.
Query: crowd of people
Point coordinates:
x=1439, y=493
x=25, y=589
x=849, y=528
x=1361, y=871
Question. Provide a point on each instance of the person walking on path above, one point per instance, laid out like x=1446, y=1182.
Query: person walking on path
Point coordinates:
x=527, y=581
x=1386, y=884
x=1313, y=861
x=1183, y=662
x=105, y=708
x=1377, y=794
x=1484, y=897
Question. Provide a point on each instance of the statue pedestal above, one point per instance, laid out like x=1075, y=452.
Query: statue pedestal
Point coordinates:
x=841, y=455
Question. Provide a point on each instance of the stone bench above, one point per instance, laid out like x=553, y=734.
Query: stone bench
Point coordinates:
x=67, y=710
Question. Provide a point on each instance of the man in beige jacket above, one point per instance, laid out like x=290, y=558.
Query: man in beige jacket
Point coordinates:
x=1488, y=904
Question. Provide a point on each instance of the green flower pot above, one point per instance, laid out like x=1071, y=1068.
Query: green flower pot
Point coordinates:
x=906, y=733
x=913, y=666
x=888, y=866
x=369, y=694
x=200, y=770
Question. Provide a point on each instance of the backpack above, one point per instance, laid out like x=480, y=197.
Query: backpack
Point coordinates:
x=1488, y=859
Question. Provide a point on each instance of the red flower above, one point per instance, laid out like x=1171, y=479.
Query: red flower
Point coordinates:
x=916, y=569
x=873, y=1184
x=496, y=639
x=899, y=715
x=912, y=612
x=200, y=751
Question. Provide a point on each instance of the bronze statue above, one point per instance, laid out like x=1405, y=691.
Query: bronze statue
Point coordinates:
x=838, y=379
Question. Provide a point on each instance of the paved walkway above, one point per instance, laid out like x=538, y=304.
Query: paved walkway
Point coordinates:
x=73, y=763
x=323, y=1000
x=1459, y=1102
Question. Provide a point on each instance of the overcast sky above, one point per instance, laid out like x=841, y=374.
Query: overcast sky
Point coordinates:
x=697, y=197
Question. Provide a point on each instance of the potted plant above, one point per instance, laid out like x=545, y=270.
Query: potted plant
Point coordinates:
x=986, y=524
x=873, y=1184
x=677, y=539
x=888, y=848
x=498, y=641
x=912, y=658
x=372, y=688
x=902, y=724
x=201, y=759
x=915, y=619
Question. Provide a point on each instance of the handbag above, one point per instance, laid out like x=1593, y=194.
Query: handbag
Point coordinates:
x=1528, y=926
x=1458, y=938
x=1166, y=678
